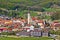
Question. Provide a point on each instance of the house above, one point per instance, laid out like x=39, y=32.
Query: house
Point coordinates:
x=37, y=32
x=3, y=29
x=55, y=26
x=41, y=23
x=37, y=22
x=48, y=13
x=45, y=32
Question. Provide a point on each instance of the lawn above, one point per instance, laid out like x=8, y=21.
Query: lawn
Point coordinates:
x=25, y=38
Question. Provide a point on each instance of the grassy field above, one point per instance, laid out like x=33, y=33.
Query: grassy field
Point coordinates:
x=25, y=38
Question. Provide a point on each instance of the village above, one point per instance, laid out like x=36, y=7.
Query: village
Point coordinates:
x=32, y=26
x=29, y=19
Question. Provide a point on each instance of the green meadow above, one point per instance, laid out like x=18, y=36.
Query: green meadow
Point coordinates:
x=25, y=38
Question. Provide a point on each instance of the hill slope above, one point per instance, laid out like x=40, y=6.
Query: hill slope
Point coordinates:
x=32, y=3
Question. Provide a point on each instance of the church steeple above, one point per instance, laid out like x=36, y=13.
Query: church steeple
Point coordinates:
x=28, y=17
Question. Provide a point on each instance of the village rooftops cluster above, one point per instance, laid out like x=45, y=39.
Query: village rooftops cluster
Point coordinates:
x=14, y=24
x=18, y=23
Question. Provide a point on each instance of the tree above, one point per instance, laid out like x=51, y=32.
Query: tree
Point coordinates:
x=56, y=16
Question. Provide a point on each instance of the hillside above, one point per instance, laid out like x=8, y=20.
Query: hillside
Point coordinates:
x=25, y=4
x=8, y=7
